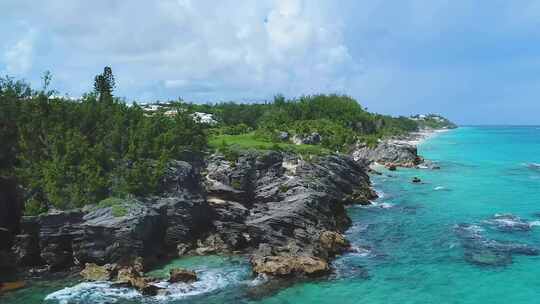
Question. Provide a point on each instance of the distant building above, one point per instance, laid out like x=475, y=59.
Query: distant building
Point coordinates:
x=200, y=117
x=205, y=118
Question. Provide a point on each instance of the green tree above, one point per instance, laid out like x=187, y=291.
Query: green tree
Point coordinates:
x=104, y=84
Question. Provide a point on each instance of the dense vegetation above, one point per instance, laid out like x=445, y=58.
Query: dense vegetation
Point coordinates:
x=70, y=153
x=339, y=120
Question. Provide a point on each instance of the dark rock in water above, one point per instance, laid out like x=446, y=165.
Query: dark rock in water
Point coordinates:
x=182, y=275
x=436, y=167
x=486, y=257
x=508, y=223
x=513, y=248
x=130, y=276
x=416, y=180
x=482, y=251
x=533, y=166
x=391, y=167
x=373, y=171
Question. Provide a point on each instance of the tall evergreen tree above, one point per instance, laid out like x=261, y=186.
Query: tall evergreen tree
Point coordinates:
x=104, y=84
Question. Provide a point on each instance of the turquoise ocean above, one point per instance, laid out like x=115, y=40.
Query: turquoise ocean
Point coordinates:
x=469, y=233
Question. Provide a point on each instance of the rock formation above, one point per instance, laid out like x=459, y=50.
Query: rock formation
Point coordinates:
x=390, y=153
x=274, y=206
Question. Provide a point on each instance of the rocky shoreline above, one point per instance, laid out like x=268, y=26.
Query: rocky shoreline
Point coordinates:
x=286, y=213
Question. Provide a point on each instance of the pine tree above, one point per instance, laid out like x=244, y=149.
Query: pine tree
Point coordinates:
x=104, y=84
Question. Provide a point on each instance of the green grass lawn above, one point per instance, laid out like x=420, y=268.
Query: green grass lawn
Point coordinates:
x=250, y=141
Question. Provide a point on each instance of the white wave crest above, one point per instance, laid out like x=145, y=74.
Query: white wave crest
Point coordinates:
x=96, y=292
x=104, y=292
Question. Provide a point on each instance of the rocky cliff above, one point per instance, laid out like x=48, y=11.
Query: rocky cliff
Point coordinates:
x=287, y=213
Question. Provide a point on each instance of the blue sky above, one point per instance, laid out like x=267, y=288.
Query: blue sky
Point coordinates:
x=477, y=62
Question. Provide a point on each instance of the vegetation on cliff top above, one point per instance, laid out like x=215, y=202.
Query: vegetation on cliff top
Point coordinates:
x=70, y=153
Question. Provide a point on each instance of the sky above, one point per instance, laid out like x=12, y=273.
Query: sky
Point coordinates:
x=476, y=62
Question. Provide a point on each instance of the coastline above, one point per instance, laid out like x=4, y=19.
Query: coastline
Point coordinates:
x=417, y=138
x=412, y=139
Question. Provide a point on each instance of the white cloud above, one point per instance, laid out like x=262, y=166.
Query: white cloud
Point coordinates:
x=258, y=48
x=18, y=57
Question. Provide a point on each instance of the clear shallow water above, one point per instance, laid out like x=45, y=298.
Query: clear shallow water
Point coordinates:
x=408, y=251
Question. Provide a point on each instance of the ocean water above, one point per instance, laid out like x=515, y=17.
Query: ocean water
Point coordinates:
x=467, y=234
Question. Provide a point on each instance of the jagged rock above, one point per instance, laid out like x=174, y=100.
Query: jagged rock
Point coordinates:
x=388, y=152
x=363, y=197
x=130, y=276
x=105, y=237
x=93, y=272
x=182, y=275
x=182, y=249
x=212, y=244
x=333, y=242
x=183, y=221
x=273, y=203
x=57, y=231
x=293, y=202
x=284, y=266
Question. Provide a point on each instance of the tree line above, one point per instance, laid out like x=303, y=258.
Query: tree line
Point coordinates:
x=70, y=153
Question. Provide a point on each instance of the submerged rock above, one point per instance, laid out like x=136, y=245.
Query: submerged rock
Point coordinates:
x=487, y=257
x=416, y=180
x=283, y=266
x=182, y=275
x=482, y=251
x=509, y=223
